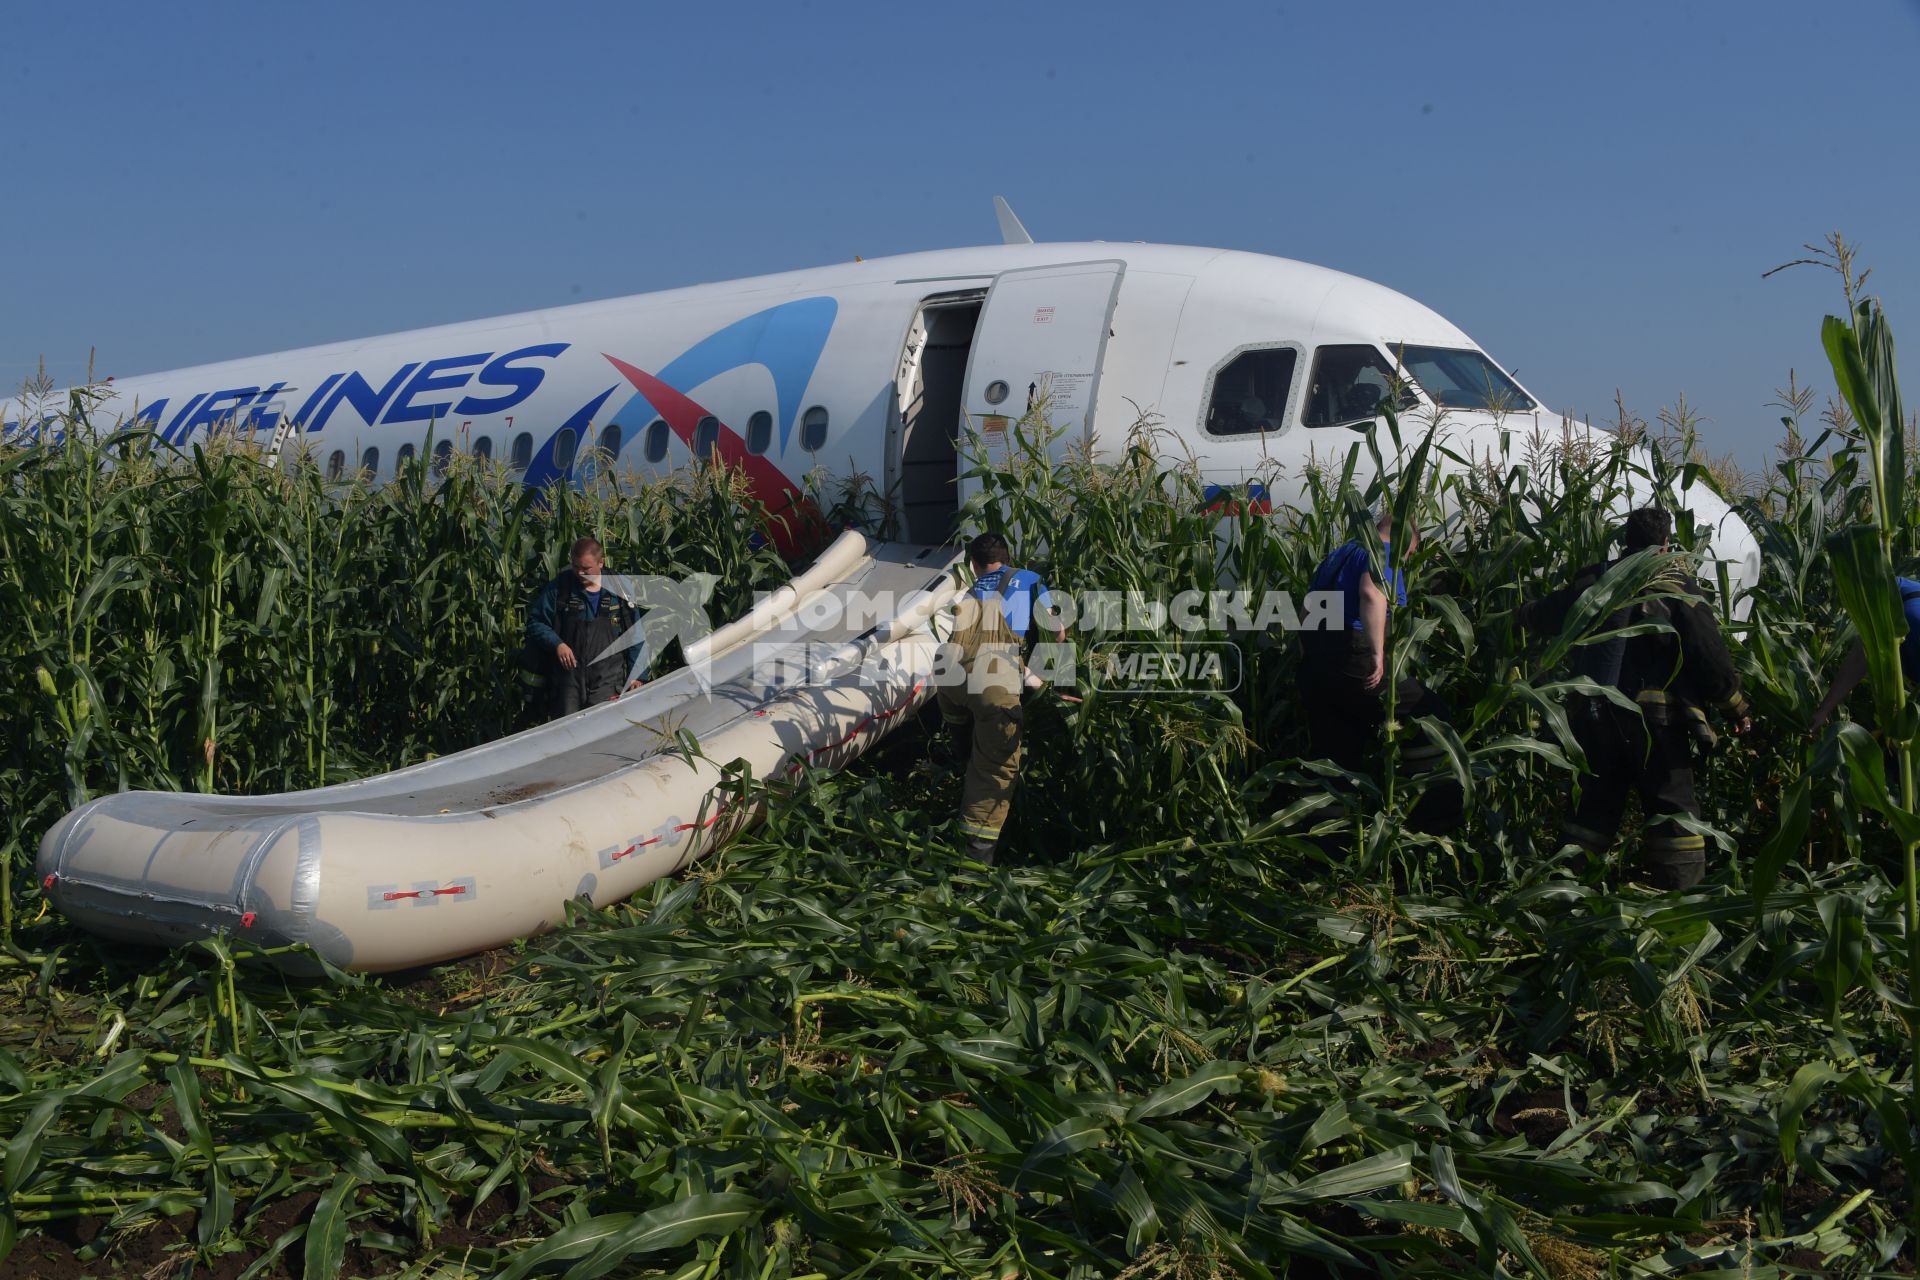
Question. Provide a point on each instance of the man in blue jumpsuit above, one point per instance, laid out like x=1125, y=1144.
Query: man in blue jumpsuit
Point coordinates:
x=1343, y=677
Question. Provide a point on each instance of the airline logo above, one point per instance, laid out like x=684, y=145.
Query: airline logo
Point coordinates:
x=425, y=392
x=418, y=391
x=786, y=340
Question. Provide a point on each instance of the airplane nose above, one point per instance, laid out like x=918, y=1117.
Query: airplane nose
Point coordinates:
x=1730, y=543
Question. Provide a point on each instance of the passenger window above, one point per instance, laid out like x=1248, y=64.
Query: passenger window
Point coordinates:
x=483, y=447
x=442, y=457
x=402, y=458
x=563, y=447
x=1250, y=394
x=813, y=429
x=760, y=432
x=337, y=464
x=1348, y=385
x=657, y=441
x=610, y=440
x=370, y=463
x=522, y=456
x=706, y=434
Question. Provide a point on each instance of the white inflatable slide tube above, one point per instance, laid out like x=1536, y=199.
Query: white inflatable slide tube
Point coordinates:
x=472, y=850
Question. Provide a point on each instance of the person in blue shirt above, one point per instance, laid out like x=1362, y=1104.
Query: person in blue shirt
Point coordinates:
x=573, y=623
x=979, y=677
x=1853, y=667
x=1343, y=674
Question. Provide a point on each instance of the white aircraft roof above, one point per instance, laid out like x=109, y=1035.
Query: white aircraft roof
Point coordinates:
x=1335, y=306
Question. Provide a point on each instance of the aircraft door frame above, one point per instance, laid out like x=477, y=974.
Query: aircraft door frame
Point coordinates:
x=925, y=419
x=1043, y=331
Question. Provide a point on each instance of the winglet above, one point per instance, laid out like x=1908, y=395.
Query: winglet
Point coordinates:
x=1011, y=232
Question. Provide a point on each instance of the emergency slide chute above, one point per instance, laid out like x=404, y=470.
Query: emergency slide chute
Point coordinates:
x=472, y=850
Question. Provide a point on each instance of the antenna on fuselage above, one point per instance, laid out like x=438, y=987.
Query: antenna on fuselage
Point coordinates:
x=1011, y=232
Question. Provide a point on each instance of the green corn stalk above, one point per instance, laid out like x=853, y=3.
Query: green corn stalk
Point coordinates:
x=1860, y=350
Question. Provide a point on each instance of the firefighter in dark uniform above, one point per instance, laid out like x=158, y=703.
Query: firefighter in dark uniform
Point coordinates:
x=980, y=675
x=1343, y=673
x=574, y=623
x=1674, y=677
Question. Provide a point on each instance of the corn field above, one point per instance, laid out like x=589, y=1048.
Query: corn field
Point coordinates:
x=1211, y=1015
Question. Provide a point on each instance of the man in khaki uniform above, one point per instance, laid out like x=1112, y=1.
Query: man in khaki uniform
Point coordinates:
x=981, y=674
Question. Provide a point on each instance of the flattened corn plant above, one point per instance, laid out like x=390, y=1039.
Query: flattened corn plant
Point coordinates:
x=1218, y=1012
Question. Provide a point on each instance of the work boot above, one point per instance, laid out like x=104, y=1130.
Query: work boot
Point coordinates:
x=1676, y=861
x=1675, y=874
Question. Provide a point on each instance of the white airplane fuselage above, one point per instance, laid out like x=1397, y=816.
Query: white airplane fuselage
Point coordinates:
x=1256, y=366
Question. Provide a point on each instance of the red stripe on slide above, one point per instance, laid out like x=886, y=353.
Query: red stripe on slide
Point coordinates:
x=862, y=727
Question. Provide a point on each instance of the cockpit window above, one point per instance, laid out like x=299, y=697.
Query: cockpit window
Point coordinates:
x=1348, y=384
x=1250, y=394
x=1457, y=379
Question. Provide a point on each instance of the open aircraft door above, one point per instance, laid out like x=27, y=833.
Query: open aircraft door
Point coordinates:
x=1042, y=336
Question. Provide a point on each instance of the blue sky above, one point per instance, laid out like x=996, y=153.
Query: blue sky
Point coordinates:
x=1593, y=192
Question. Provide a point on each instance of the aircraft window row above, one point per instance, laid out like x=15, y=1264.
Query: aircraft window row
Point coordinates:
x=654, y=443
x=657, y=438
x=1250, y=394
x=706, y=435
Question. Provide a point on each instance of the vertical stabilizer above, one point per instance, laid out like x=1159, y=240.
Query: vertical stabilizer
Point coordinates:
x=1011, y=232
